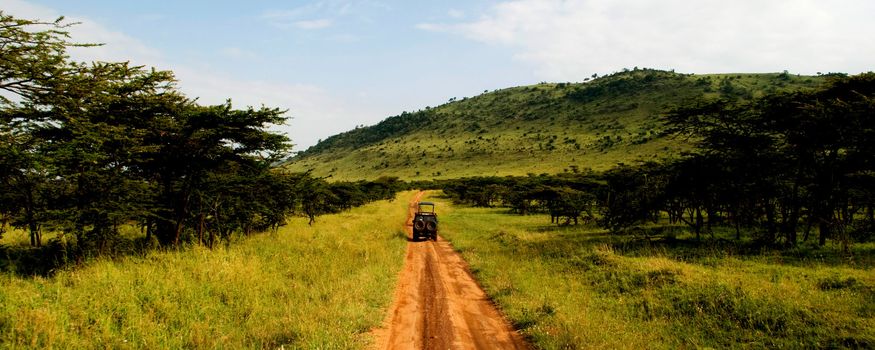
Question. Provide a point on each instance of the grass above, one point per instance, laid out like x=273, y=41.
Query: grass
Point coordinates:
x=323, y=286
x=543, y=128
x=579, y=287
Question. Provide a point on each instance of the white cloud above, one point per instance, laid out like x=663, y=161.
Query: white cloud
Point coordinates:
x=290, y=14
x=314, y=24
x=457, y=14
x=570, y=39
x=285, y=19
x=315, y=112
x=324, y=13
x=118, y=46
x=432, y=27
x=303, y=17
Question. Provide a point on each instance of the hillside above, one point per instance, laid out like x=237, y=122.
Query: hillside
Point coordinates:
x=543, y=128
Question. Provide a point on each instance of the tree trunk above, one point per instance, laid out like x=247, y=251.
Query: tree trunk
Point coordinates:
x=181, y=214
x=35, y=234
x=790, y=227
x=825, y=232
x=212, y=238
x=870, y=213
x=29, y=215
x=148, y=230
x=737, y=230
x=177, y=232
x=808, y=223
x=712, y=216
x=200, y=228
x=770, y=223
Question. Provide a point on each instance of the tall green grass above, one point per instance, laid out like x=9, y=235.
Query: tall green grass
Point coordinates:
x=323, y=286
x=579, y=287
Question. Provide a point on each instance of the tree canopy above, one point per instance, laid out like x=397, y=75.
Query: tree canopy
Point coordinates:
x=773, y=167
x=88, y=148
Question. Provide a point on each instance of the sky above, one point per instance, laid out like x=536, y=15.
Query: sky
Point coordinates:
x=338, y=64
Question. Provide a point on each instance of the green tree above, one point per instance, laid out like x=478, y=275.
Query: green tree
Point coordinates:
x=204, y=141
x=32, y=59
x=95, y=132
x=32, y=54
x=784, y=159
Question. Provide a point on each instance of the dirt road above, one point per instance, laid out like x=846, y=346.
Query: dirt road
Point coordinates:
x=439, y=305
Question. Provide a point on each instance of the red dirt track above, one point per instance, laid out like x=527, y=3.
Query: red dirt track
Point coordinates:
x=439, y=305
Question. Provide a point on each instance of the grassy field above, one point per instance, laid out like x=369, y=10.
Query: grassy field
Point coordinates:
x=544, y=128
x=578, y=287
x=323, y=286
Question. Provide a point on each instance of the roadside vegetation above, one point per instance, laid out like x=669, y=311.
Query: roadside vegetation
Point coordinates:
x=321, y=286
x=580, y=286
x=761, y=235
x=641, y=209
x=779, y=169
x=91, y=152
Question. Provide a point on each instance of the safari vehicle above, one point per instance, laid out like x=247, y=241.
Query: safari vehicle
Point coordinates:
x=425, y=222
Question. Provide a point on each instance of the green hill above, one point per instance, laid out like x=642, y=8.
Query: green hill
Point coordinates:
x=543, y=128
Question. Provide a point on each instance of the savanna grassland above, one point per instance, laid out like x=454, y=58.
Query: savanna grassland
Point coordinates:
x=581, y=287
x=155, y=222
x=321, y=286
x=544, y=128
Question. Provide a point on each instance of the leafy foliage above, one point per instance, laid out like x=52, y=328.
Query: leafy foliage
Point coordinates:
x=90, y=148
x=774, y=166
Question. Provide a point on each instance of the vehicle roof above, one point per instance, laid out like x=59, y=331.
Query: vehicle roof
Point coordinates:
x=426, y=203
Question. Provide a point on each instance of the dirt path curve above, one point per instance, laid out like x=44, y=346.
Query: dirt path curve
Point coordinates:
x=439, y=305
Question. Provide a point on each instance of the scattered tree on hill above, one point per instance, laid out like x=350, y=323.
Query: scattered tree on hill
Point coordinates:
x=777, y=166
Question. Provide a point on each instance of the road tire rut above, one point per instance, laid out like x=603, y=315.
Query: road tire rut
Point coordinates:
x=439, y=305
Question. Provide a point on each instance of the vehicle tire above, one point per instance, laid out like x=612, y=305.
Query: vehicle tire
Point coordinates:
x=419, y=225
x=431, y=226
x=434, y=236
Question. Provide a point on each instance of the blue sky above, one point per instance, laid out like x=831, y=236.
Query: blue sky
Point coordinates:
x=338, y=64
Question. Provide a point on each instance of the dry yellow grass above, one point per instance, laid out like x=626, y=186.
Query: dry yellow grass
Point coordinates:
x=323, y=286
x=579, y=287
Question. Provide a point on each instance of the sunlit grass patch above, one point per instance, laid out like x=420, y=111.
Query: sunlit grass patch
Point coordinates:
x=580, y=287
x=323, y=286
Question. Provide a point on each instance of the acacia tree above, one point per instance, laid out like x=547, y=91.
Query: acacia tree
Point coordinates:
x=94, y=130
x=24, y=187
x=828, y=133
x=115, y=143
x=786, y=158
x=32, y=54
x=201, y=142
x=32, y=58
x=633, y=195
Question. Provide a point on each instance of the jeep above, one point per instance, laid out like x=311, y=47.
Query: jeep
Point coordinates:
x=425, y=222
